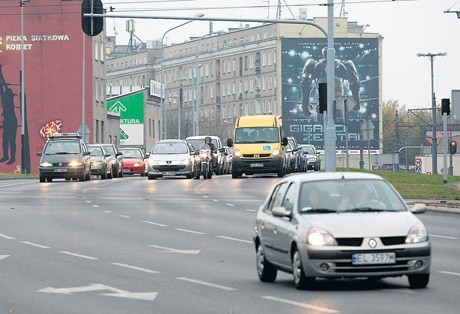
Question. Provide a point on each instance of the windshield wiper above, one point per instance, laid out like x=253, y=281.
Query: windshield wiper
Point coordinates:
x=365, y=209
x=318, y=210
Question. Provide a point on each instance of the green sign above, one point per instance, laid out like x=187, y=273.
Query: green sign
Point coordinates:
x=131, y=109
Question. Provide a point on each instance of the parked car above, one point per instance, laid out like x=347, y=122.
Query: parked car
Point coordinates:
x=294, y=153
x=340, y=225
x=228, y=154
x=171, y=158
x=101, y=161
x=66, y=156
x=310, y=159
x=117, y=165
x=134, y=161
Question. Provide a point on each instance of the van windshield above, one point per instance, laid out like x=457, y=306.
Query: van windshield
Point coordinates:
x=256, y=135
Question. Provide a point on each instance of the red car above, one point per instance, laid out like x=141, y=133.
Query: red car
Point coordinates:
x=133, y=160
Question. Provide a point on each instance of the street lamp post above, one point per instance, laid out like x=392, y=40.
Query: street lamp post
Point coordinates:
x=434, y=150
x=163, y=111
x=23, y=103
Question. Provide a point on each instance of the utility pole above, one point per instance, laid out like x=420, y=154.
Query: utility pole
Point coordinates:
x=434, y=150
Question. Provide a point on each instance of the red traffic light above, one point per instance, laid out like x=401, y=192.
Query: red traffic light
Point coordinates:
x=453, y=147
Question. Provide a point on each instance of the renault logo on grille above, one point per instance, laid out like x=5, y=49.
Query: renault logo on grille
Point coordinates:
x=372, y=243
x=60, y=164
x=169, y=161
x=256, y=156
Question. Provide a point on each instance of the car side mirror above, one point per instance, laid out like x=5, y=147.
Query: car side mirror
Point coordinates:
x=39, y=154
x=285, y=141
x=118, y=154
x=418, y=208
x=86, y=153
x=229, y=142
x=147, y=155
x=222, y=150
x=281, y=212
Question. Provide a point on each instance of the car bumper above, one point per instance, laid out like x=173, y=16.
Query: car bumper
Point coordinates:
x=61, y=172
x=169, y=171
x=254, y=165
x=338, y=262
x=133, y=170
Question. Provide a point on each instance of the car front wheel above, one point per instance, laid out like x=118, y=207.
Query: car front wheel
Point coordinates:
x=300, y=280
x=418, y=281
x=266, y=271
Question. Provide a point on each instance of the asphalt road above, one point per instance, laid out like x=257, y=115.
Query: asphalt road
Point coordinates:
x=131, y=245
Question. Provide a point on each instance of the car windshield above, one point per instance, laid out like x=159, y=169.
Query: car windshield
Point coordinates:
x=346, y=195
x=109, y=149
x=131, y=153
x=170, y=148
x=95, y=151
x=256, y=135
x=308, y=150
x=198, y=142
x=62, y=147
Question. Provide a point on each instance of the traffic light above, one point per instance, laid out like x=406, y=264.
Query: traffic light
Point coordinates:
x=322, y=97
x=92, y=26
x=445, y=106
x=453, y=147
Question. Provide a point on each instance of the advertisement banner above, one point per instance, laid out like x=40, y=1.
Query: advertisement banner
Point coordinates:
x=51, y=52
x=131, y=109
x=356, y=92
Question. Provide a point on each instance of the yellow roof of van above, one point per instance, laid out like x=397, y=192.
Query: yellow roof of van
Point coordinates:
x=259, y=120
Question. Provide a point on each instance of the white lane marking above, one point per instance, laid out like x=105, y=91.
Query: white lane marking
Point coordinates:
x=250, y=210
x=146, y=296
x=136, y=268
x=449, y=273
x=107, y=211
x=443, y=237
x=88, y=201
x=299, y=304
x=228, y=204
x=399, y=290
x=2, y=257
x=215, y=200
x=124, y=216
x=35, y=244
x=208, y=284
x=205, y=196
x=171, y=250
x=154, y=223
x=96, y=206
x=235, y=239
x=78, y=255
x=189, y=231
x=6, y=237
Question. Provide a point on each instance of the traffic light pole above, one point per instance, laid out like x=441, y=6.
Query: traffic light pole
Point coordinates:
x=444, y=146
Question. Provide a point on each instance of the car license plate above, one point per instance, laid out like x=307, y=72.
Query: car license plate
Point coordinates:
x=373, y=258
x=169, y=173
x=60, y=170
x=256, y=165
x=127, y=170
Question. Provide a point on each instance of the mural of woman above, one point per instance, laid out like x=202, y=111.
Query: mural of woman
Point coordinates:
x=10, y=121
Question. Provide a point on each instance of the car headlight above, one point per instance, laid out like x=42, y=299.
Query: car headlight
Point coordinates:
x=320, y=237
x=75, y=164
x=46, y=164
x=237, y=153
x=276, y=152
x=417, y=234
x=97, y=162
x=153, y=162
x=185, y=162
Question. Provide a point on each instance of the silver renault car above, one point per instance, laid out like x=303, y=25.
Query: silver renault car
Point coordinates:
x=171, y=158
x=340, y=225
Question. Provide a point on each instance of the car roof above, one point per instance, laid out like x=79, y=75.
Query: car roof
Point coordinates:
x=171, y=141
x=202, y=137
x=324, y=176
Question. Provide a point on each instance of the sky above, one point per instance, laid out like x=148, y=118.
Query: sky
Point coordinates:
x=408, y=27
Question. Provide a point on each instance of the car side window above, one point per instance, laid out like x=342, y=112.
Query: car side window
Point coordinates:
x=289, y=198
x=278, y=196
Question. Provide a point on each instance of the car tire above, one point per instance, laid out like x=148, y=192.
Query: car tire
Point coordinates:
x=110, y=174
x=418, y=281
x=151, y=177
x=265, y=270
x=42, y=178
x=103, y=173
x=235, y=175
x=49, y=179
x=120, y=174
x=301, y=281
x=281, y=173
x=115, y=172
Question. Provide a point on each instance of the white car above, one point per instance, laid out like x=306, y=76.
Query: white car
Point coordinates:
x=340, y=225
x=171, y=158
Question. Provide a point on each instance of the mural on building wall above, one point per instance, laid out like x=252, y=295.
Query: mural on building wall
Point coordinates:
x=131, y=109
x=52, y=52
x=357, y=90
